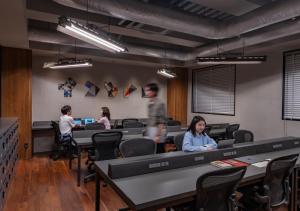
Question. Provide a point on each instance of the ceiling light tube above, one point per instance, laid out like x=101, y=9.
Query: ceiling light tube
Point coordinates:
x=68, y=63
x=231, y=60
x=166, y=73
x=74, y=29
x=66, y=66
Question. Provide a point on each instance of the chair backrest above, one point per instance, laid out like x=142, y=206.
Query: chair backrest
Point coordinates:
x=178, y=141
x=276, y=181
x=132, y=124
x=242, y=136
x=137, y=147
x=173, y=123
x=56, y=129
x=115, y=124
x=95, y=126
x=174, y=128
x=207, y=129
x=84, y=133
x=106, y=143
x=215, y=189
x=230, y=129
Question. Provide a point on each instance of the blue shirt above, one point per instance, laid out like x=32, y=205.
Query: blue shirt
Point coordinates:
x=199, y=142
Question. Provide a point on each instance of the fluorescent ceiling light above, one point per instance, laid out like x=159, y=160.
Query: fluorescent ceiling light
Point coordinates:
x=86, y=34
x=166, y=73
x=68, y=63
x=227, y=59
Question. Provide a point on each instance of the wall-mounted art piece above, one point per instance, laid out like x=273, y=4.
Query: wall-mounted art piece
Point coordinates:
x=92, y=89
x=67, y=87
x=112, y=90
x=129, y=89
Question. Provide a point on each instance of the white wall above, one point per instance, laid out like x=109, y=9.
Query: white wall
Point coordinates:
x=47, y=99
x=258, y=99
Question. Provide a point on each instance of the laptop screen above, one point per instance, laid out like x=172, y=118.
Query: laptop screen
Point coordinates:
x=227, y=143
x=88, y=120
x=77, y=121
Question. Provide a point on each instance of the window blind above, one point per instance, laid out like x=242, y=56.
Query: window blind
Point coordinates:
x=213, y=90
x=291, y=86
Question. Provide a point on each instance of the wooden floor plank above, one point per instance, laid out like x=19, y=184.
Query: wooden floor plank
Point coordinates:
x=41, y=184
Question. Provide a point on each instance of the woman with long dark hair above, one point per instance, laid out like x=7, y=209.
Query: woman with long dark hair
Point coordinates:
x=105, y=118
x=195, y=139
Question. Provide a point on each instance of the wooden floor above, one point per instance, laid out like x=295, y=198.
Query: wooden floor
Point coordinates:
x=41, y=184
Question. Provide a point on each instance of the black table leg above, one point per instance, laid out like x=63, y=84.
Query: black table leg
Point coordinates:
x=97, y=195
x=78, y=166
x=70, y=155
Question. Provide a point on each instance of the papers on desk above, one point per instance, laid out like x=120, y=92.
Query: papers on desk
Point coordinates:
x=262, y=163
x=228, y=163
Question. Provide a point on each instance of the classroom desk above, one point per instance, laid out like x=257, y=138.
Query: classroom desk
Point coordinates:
x=84, y=143
x=42, y=137
x=171, y=187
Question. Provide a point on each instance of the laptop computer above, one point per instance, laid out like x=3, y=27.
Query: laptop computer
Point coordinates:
x=88, y=120
x=77, y=121
x=227, y=143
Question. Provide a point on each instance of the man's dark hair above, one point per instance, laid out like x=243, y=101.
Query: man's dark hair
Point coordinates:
x=153, y=87
x=65, y=109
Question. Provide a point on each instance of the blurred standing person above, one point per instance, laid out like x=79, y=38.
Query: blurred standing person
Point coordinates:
x=156, y=124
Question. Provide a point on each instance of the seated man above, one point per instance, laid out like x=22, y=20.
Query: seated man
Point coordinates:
x=195, y=139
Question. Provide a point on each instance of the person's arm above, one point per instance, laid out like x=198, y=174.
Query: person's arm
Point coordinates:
x=101, y=120
x=210, y=143
x=188, y=146
x=71, y=122
x=161, y=114
x=161, y=122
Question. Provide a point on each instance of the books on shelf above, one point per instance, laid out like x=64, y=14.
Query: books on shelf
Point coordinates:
x=228, y=163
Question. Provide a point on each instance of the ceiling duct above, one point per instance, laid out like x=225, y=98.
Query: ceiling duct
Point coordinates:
x=140, y=12
x=275, y=32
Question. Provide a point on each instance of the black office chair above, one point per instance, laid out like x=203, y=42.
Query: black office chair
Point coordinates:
x=274, y=190
x=129, y=120
x=132, y=124
x=207, y=129
x=95, y=126
x=116, y=124
x=242, y=136
x=178, y=141
x=230, y=129
x=173, y=123
x=215, y=191
x=137, y=147
x=106, y=144
x=62, y=147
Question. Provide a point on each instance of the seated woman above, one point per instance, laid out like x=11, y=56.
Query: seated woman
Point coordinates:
x=105, y=118
x=195, y=139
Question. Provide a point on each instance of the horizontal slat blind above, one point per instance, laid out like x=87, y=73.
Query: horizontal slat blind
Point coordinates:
x=291, y=95
x=214, y=90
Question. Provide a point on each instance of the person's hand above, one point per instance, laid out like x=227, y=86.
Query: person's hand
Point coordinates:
x=157, y=139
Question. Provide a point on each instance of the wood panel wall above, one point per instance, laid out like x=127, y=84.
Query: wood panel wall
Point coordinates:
x=16, y=99
x=177, y=94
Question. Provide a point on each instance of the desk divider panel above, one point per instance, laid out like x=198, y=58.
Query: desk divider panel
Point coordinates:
x=121, y=168
x=89, y=133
